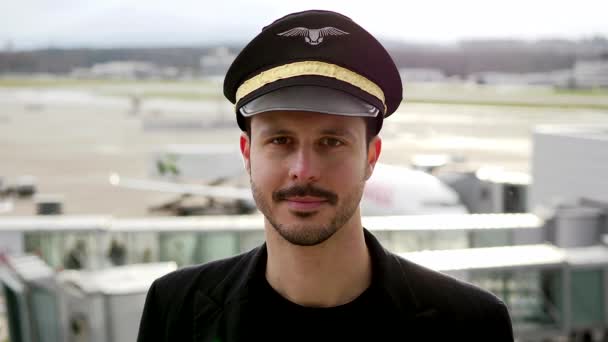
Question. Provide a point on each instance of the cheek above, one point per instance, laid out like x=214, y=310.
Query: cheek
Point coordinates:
x=264, y=172
x=346, y=174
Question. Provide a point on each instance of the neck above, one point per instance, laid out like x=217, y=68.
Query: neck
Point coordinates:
x=332, y=273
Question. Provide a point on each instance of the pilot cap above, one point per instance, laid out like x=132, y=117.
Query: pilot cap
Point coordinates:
x=331, y=64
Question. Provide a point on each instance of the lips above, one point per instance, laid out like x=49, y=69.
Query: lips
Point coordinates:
x=307, y=203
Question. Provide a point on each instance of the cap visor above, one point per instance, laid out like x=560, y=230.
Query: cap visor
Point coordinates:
x=309, y=99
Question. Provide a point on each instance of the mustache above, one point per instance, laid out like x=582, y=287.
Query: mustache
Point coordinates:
x=301, y=191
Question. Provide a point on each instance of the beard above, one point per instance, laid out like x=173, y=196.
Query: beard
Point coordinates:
x=301, y=233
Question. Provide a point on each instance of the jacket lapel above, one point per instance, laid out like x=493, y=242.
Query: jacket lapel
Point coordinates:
x=206, y=323
x=392, y=276
x=224, y=314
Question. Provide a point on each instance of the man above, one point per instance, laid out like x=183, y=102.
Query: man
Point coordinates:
x=311, y=92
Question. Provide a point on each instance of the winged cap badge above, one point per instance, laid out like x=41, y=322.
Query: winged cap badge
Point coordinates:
x=313, y=36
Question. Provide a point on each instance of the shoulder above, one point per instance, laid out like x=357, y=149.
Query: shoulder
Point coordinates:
x=174, y=299
x=205, y=278
x=448, y=294
x=462, y=308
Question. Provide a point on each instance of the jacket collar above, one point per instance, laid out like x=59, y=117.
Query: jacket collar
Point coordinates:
x=389, y=275
x=391, y=278
x=227, y=310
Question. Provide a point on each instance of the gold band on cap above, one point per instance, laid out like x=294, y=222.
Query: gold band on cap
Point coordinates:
x=309, y=68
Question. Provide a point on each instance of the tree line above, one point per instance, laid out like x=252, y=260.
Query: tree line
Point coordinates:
x=459, y=59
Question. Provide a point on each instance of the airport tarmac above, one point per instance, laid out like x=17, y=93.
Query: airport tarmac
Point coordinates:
x=71, y=140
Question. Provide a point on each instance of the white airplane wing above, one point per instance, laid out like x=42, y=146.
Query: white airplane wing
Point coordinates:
x=192, y=189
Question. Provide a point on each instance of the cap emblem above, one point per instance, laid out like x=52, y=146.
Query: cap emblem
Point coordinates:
x=312, y=36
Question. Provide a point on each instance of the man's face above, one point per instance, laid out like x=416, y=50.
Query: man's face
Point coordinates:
x=308, y=171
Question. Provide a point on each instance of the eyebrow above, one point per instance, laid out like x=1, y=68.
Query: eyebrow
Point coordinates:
x=274, y=131
x=338, y=131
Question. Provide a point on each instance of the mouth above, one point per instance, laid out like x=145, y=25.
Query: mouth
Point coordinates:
x=306, y=203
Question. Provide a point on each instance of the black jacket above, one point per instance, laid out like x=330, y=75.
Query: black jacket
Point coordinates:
x=215, y=302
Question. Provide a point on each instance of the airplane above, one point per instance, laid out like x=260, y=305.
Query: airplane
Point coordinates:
x=392, y=189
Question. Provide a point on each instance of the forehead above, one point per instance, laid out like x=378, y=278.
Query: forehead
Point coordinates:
x=306, y=123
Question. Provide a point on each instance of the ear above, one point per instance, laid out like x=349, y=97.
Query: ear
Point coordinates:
x=245, y=148
x=373, y=154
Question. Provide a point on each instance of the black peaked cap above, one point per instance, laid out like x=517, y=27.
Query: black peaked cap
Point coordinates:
x=320, y=48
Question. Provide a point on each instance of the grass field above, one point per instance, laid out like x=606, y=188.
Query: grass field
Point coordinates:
x=438, y=93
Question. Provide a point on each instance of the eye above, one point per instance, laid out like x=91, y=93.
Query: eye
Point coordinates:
x=280, y=140
x=331, y=142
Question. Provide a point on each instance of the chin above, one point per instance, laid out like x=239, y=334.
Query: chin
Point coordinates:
x=305, y=234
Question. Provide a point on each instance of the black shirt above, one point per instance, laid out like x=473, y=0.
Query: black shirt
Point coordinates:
x=361, y=319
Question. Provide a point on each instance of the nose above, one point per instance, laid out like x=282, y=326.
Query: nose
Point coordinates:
x=304, y=167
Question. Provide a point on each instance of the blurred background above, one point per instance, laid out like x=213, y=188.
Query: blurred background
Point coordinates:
x=119, y=158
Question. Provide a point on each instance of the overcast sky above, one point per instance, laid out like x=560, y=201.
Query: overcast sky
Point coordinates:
x=68, y=23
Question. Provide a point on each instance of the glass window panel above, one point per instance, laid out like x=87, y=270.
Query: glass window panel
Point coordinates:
x=33, y=243
x=81, y=250
x=384, y=238
x=250, y=240
x=115, y=249
x=448, y=239
x=533, y=297
x=52, y=249
x=218, y=245
x=45, y=314
x=179, y=247
x=143, y=247
x=490, y=238
x=587, y=297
